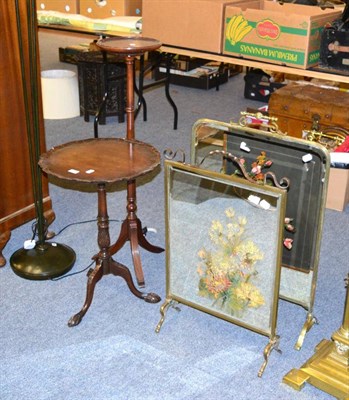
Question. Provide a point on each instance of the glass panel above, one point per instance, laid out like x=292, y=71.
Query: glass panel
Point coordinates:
x=306, y=165
x=303, y=195
x=306, y=193
x=220, y=258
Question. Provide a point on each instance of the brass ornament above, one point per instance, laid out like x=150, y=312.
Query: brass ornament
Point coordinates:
x=329, y=137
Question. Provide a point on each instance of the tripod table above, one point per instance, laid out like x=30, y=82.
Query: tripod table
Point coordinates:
x=129, y=48
x=99, y=162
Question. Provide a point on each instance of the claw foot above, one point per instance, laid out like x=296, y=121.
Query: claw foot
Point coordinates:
x=75, y=319
x=151, y=298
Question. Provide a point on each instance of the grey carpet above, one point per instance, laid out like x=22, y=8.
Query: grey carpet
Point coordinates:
x=114, y=353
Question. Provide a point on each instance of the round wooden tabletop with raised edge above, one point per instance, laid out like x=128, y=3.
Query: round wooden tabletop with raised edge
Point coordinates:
x=132, y=45
x=101, y=160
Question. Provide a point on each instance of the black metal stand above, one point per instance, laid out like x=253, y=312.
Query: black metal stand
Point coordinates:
x=143, y=69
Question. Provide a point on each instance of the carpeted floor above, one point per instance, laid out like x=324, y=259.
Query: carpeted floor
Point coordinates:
x=115, y=353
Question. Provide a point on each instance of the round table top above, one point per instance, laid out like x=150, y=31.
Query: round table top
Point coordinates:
x=129, y=45
x=101, y=160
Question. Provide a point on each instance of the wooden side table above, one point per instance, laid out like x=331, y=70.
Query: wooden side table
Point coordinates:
x=129, y=48
x=102, y=161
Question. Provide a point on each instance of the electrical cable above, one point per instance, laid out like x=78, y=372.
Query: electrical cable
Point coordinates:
x=144, y=231
x=75, y=223
x=63, y=229
x=72, y=273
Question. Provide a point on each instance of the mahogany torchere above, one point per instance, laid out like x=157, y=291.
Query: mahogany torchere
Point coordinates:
x=17, y=201
x=129, y=48
x=102, y=161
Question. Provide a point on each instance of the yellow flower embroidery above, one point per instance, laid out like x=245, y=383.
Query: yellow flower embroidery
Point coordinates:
x=248, y=292
x=227, y=274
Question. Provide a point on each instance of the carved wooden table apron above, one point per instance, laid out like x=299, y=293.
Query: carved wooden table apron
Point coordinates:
x=129, y=48
x=103, y=161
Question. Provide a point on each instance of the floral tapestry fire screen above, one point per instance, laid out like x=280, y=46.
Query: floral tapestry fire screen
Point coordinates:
x=305, y=164
x=223, y=246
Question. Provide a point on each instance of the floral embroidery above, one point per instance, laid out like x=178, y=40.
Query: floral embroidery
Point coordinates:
x=227, y=274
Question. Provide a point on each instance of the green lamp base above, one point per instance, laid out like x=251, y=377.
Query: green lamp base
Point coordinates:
x=44, y=261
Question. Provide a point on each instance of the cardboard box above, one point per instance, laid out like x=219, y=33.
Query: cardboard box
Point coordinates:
x=286, y=34
x=110, y=8
x=192, y=24
x=68, y=6
x=338, y=189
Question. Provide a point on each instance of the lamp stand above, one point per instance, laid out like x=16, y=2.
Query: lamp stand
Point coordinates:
x=44, y=261
x=40, y=260
x=328, y=368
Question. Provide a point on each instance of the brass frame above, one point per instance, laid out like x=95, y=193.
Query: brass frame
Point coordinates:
x=279, y=196
x=303, y=279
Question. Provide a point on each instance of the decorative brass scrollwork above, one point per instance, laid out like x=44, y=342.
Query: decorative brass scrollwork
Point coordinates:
x=329, y=137
x=169, y=154
x=284, y=182
x=272, y=121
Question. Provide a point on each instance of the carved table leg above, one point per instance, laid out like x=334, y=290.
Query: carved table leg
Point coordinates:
x=131, y=230
x=94, y=275
x=105, y=264
x=4, y=238
x=119, y=269
x=102, y=258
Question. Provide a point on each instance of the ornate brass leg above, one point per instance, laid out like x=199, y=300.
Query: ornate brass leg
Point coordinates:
x=163, y=309
x=272, y=345
x=309, y=322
